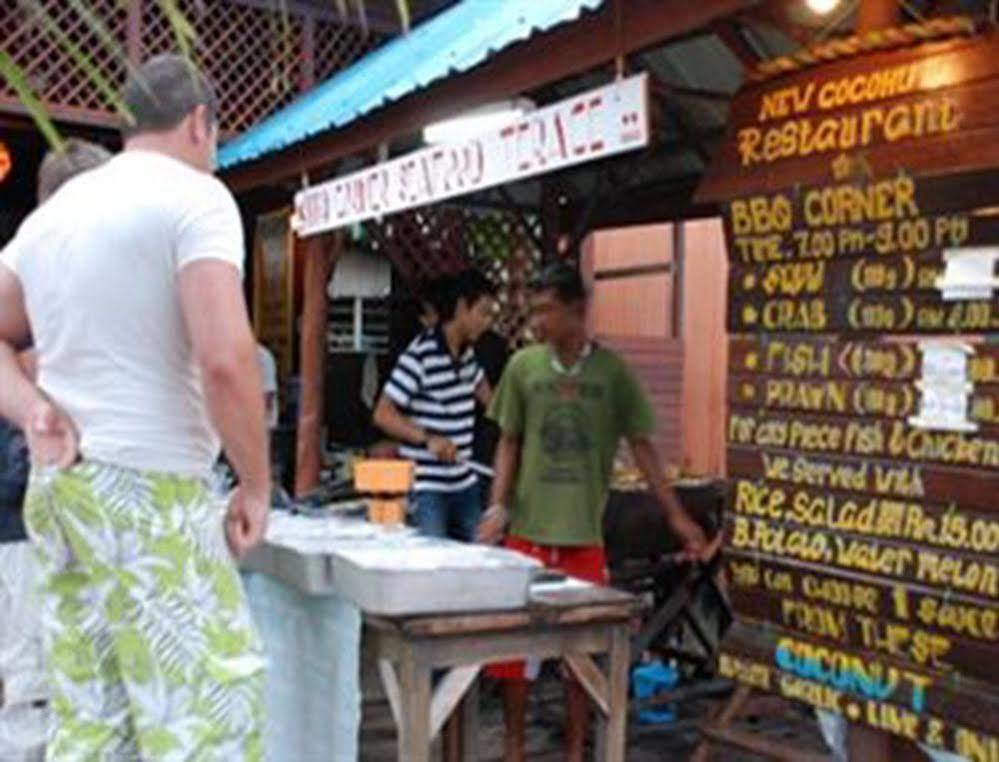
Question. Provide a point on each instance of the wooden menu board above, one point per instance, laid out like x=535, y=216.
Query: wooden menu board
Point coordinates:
x=863, y=535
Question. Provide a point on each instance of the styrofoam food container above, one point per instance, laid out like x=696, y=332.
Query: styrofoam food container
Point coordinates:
x=420, y=575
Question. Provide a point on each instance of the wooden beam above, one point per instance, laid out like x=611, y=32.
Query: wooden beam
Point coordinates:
x=730, y=33
x=780, y=751
x=570, y=49
x=69, y=114
x=380, y=22
x=449, y=693
x=307, y=70
x=391, y=685
x=321, y=254
x=592, y=679
x=133, y=32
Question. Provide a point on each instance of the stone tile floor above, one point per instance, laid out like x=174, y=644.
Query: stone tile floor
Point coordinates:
x=776, y=720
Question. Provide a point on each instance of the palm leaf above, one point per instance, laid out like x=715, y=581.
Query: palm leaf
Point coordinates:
x=403, y=7
x=14, y=77
x=362, y=14
x=183, y=30
x=81, y=59
x=107, y=39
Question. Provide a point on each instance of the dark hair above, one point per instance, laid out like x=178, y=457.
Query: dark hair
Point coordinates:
x=562, y=278
x=164, y=90
x=64, y=163
x=470, y=285
x=432, y=292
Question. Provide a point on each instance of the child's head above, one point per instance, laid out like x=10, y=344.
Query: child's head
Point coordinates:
x=59, y=165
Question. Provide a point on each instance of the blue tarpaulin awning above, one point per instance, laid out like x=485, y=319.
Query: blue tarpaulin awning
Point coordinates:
x=453, y=41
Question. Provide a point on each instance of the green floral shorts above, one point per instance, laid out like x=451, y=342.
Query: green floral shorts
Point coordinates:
x=150, y=648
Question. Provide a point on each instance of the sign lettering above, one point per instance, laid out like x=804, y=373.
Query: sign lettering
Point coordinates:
x=974, y=745
x=603, y=122
x=890, y=439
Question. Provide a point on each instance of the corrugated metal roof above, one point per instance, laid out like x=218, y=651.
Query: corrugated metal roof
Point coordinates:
x=454, y=41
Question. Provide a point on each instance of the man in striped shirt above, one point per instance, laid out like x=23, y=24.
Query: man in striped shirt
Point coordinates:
x=428, y=404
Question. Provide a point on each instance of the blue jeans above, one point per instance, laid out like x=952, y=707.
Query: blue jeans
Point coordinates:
x=449, y=514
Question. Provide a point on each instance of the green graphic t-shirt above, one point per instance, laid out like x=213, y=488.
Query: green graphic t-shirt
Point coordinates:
x=571, y=424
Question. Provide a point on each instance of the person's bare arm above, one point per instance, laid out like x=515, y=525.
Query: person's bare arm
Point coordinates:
x=18, y=395
x=52, y=437
x=390, y=419
x=505, y=467
x=687, y=530
x=484, y=393
x=211, y=296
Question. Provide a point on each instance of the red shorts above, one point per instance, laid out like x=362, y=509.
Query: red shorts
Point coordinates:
x=587, y=562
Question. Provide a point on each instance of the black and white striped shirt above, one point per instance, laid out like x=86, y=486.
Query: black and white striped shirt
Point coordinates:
x=437, y=393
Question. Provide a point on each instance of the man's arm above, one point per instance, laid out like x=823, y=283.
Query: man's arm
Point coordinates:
x=390, y=419
x=484, y=393
x=17, y=394
x=52, y=437
x=211, y=297
x=505, y=467
x=687, y=530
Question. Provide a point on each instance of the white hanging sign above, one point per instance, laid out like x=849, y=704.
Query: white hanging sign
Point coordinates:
x=593, y=125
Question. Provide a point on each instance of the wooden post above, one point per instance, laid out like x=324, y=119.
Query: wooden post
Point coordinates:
x=320, y=253
x=414, y=733
x=307, y=72
x=873, y=15
x=133, y=32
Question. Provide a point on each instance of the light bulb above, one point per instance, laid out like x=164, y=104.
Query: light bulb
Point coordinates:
x=822, y=7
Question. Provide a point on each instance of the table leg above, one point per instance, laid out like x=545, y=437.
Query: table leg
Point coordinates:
x=470, y=725
x=414, y=729
x=725, y=718
x=615, y=740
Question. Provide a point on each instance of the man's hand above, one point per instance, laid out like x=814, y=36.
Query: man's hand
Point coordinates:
x=52, y=437
x=493, y=525
x=443, y=449
x=246, y=520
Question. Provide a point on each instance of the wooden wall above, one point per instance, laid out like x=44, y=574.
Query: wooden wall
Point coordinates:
x=679, y=354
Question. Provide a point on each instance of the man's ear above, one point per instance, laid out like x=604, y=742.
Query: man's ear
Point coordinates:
x=198, y=124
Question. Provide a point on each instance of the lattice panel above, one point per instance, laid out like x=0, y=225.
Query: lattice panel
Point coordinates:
x=252, y=54
x=503, y=245
x=337, y=46
x=53, y=74
x=428, y=242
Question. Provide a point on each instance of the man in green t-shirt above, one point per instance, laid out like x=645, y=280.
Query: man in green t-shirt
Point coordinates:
x=563, y=407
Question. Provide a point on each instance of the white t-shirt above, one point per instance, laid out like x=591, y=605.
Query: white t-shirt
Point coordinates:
x=98, y=263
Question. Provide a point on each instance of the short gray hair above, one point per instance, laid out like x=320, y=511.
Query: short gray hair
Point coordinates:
x=66, y=162
x=163, y=91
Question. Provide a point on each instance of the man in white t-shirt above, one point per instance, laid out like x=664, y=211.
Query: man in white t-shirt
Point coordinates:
x=129, y=283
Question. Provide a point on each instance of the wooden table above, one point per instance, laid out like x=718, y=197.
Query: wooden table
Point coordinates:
x=574, y=624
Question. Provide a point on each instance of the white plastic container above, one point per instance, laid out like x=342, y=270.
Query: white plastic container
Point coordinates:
x=419, y=575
